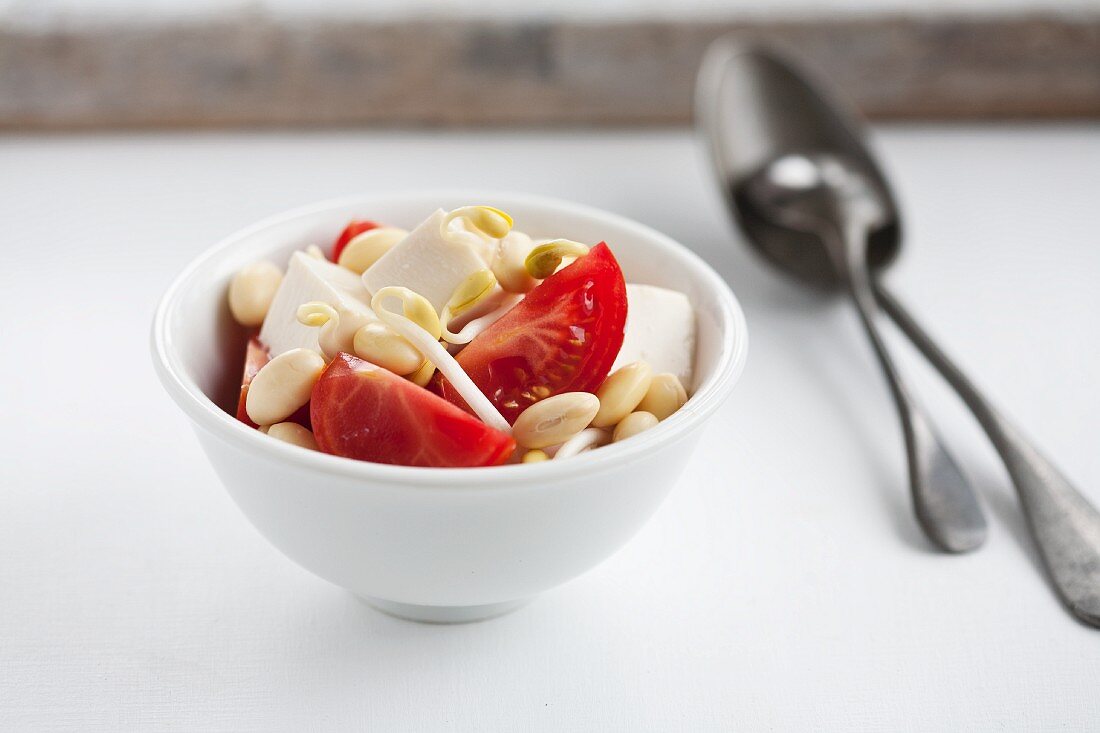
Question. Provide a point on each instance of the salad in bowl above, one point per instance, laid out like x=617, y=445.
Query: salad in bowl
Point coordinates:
x=448, y=402
x=462, y=342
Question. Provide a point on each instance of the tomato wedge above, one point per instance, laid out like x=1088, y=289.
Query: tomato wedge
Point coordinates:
x=563, y=337
x=351, y=231
x=366, y=412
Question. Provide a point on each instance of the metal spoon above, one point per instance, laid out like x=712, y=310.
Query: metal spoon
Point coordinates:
x=757, y=109
x=825, y=196
x=792, y=200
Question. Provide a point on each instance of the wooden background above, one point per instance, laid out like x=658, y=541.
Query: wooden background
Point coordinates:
x=248, y=71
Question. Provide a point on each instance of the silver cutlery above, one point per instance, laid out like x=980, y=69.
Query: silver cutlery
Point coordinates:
x=811, y=199
x=825, y=196
x=817, y=210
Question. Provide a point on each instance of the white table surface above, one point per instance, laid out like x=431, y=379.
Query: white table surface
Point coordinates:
x=783, y=585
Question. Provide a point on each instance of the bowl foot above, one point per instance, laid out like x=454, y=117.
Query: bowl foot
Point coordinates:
x=443, y=614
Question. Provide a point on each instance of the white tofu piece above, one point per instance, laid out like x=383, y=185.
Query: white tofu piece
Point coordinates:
x=425, y=262
x=660, y=330
x=308, y=279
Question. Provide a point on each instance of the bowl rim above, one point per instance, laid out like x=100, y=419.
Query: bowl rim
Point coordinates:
x=207, y=415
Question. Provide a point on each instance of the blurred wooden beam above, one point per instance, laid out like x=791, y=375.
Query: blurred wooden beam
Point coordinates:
x=248, y=71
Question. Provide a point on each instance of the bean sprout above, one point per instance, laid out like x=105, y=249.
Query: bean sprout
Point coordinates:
x=474, y=328
x=545, y=258
x=583, y=441
x=426, y=341
x=487, y=219
x=423, y=375
x=316, y=314
x=474, y=290
x=414, y=306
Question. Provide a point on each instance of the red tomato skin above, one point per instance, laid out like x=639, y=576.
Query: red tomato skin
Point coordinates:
x=354, y=228
x=584, y=302
x=362, y=411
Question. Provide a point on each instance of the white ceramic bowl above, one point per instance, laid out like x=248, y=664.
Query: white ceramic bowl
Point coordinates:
x=427, y=543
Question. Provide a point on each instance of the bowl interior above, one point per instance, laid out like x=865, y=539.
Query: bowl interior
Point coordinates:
x=202, y=346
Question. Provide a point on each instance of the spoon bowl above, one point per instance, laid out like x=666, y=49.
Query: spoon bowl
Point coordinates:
x=803, y=192
x=754, y=110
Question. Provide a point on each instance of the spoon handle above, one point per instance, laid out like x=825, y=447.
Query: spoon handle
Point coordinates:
x=945, y=504
x=1064, y=525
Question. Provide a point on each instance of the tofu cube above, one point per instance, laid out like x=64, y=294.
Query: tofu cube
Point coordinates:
x=309, y=279
x=426, y=263
x=660, y=330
